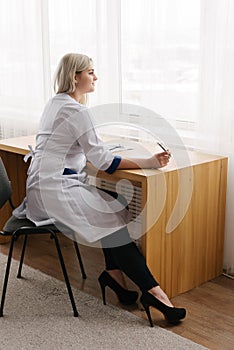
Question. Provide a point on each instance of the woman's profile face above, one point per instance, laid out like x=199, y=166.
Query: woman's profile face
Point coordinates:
x=86, y=80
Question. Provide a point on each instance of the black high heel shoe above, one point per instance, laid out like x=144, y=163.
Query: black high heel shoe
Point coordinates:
x=125, y=296
x=171, y=314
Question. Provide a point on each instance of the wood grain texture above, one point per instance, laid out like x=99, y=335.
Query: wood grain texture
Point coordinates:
x=193, y=252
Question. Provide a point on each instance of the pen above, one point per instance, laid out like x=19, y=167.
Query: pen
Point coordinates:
x=166, y=150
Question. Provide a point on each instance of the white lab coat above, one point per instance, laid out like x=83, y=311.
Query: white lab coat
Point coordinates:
x=67, y=139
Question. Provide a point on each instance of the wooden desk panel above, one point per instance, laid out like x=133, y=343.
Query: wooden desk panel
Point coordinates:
x=193, y=252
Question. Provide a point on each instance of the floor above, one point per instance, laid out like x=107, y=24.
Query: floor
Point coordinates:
x=210, y=307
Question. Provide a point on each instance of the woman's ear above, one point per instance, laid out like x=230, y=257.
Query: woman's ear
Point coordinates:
x=76, y=79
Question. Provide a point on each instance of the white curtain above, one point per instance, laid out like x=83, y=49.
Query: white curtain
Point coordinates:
x=34, y=35
x=21, y=62
x=216, y=111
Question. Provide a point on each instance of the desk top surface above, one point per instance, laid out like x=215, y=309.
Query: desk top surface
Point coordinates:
x=182, y=159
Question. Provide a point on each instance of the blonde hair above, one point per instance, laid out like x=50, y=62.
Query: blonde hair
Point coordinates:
x=69, y=65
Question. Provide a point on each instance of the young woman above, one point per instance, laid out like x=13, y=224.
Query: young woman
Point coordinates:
x=58, y=190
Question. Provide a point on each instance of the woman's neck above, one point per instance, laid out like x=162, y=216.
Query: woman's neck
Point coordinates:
x=75, y=96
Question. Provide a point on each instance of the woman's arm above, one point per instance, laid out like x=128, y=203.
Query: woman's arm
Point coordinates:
x=158, y=160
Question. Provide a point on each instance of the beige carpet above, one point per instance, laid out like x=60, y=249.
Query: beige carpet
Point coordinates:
x=38, y=315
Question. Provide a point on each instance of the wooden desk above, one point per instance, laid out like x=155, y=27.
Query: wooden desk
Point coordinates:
x=193, y=252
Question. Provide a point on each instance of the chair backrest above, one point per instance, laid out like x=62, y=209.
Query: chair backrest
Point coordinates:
x=5, y=185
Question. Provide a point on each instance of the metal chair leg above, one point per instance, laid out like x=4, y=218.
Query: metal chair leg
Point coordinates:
x=7, y=272
x=84, y=276
x=65, y=275
x=22, y=257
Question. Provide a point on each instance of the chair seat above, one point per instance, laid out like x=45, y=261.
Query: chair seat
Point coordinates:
x=13, y=224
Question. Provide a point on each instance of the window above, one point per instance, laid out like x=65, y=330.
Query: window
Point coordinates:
x=160, y=57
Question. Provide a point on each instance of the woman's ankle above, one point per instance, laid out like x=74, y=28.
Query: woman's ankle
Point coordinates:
x=118, y=276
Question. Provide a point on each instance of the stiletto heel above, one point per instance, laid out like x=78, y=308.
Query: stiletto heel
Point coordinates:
x=147, y=310
x=103, y=289
x=171, y=314
x=125, y=296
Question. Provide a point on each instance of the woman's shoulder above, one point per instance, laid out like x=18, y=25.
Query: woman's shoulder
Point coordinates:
x=64, y=98
x=64, y=103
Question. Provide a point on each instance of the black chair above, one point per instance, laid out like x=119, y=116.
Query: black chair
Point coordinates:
x=18, y=227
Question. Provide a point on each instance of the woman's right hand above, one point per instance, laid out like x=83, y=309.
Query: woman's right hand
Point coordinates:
x=160, y=160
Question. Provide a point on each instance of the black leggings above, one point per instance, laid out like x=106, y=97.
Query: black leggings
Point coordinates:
x=128, y=259
x=121, y=253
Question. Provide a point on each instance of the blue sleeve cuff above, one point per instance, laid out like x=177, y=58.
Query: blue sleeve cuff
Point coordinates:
x=68, y=171
x=114, y=165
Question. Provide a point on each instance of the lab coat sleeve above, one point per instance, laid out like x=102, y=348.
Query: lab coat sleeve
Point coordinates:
x=87, y=137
